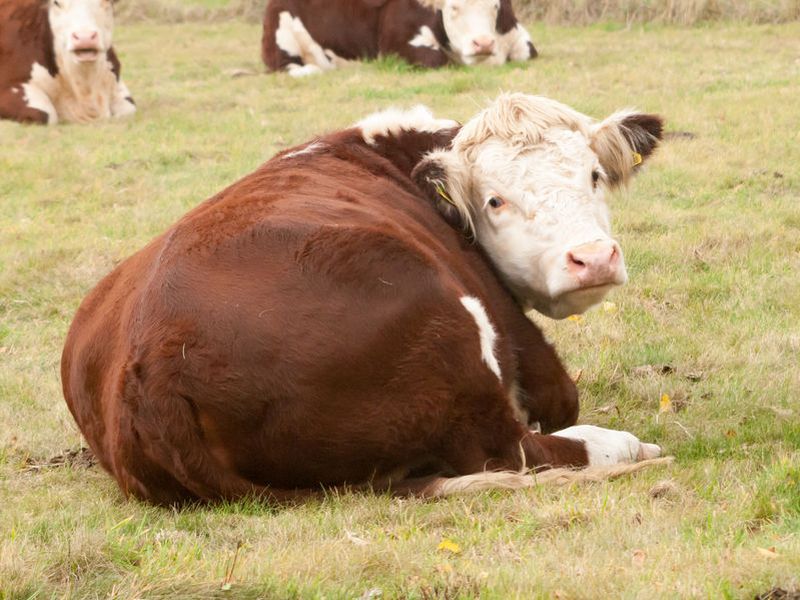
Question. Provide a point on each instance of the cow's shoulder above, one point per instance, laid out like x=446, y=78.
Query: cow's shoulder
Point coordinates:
x=25, y=39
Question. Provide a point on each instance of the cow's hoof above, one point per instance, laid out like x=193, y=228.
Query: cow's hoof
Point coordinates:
x=609, y=446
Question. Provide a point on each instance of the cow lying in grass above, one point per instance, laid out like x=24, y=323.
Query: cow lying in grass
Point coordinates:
x=57, y=63
x=353, y=311
x=305, y=37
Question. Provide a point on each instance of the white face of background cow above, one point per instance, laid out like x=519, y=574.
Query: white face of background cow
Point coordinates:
x=82, y=29
x=471, y=27
x=528, y=176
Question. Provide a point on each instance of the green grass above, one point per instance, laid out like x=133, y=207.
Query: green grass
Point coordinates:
x=711, y=234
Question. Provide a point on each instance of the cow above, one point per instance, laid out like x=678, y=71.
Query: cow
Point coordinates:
x=353, y=313
x=306, y=37
x=57, y=62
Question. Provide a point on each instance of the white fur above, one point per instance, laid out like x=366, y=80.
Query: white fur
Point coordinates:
x=514, y=44
x=486, y=333
x=609, y=447
x=392, y=121
x=309, y=149
x=38, y=92
x=425, y=39
x=292, y=37
x=538, y=156
x=299, y=71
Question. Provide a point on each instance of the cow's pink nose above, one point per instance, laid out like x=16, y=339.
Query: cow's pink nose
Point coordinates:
x=84, y=37
x=595, y=263
x=483, y=45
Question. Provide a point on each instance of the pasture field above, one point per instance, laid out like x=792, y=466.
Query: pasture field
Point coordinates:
x=699, y=352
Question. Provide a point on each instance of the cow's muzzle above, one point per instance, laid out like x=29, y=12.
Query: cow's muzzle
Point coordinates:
x=85, y=45
x=596, y=264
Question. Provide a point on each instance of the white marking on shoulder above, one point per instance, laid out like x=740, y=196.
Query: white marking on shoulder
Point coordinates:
x=39, y=90
x=394, y=120
x=425, y=39
x=309, y=149
x=488, y=335
x=292, y=37
x=609, y=446
x=284, y=35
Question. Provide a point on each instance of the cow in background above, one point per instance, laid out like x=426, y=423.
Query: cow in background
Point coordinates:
x=57, y=62
x=305, y=37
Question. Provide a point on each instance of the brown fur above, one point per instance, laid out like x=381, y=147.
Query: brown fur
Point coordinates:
x=303, y=328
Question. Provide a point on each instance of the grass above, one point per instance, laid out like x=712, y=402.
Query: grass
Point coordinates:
x=710, y=233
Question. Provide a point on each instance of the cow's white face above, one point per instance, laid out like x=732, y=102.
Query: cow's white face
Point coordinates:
x=528, y=176
x=471, y=27
x=82, y=29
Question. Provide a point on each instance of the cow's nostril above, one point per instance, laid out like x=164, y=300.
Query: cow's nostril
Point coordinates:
x=574, y=263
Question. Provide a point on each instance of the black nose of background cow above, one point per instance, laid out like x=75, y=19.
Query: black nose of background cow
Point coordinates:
x=483, y=45
x=595, y=263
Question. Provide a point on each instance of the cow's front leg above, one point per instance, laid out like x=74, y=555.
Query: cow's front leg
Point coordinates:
x=122, y=104
x=14, y=106
x=608, y=446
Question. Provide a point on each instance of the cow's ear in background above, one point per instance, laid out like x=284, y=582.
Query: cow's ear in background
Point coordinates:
x=506, y=21
x=624, y=141
x=434, y=177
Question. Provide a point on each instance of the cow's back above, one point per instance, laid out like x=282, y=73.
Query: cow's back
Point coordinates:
x=25, y=39
x=349, y=28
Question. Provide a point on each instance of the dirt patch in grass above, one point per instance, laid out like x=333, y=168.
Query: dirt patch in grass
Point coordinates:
x=79, y=458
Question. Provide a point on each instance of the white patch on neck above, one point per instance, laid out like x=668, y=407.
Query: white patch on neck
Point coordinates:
x=392, y=121
x=425, y=39
x=609, y=446
x=487, y=334
x=309, y=149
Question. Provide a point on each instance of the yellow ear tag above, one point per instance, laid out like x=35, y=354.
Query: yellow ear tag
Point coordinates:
x=443, y=194
x=637, y=159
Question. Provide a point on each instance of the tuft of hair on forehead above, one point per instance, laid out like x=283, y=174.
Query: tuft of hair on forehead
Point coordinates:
x=519, y=120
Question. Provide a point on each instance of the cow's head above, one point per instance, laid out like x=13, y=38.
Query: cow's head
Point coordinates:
x=475, y=29
x=82, y=29
x=527, y=177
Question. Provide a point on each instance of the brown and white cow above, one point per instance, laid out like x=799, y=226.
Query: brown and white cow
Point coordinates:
x=352, y=311
x=310, y=36
x=57, y=63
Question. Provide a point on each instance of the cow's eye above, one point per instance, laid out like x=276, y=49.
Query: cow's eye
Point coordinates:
x=495, y=202
x=595, y=177
x=56, y=3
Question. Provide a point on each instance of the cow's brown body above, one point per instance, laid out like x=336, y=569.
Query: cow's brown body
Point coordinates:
x=359, y=29
x=303, y=327
x=26, y=40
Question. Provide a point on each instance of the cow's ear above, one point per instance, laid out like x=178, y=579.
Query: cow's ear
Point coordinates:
x=624, y=141
x=506, y=21
x=438, y=177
